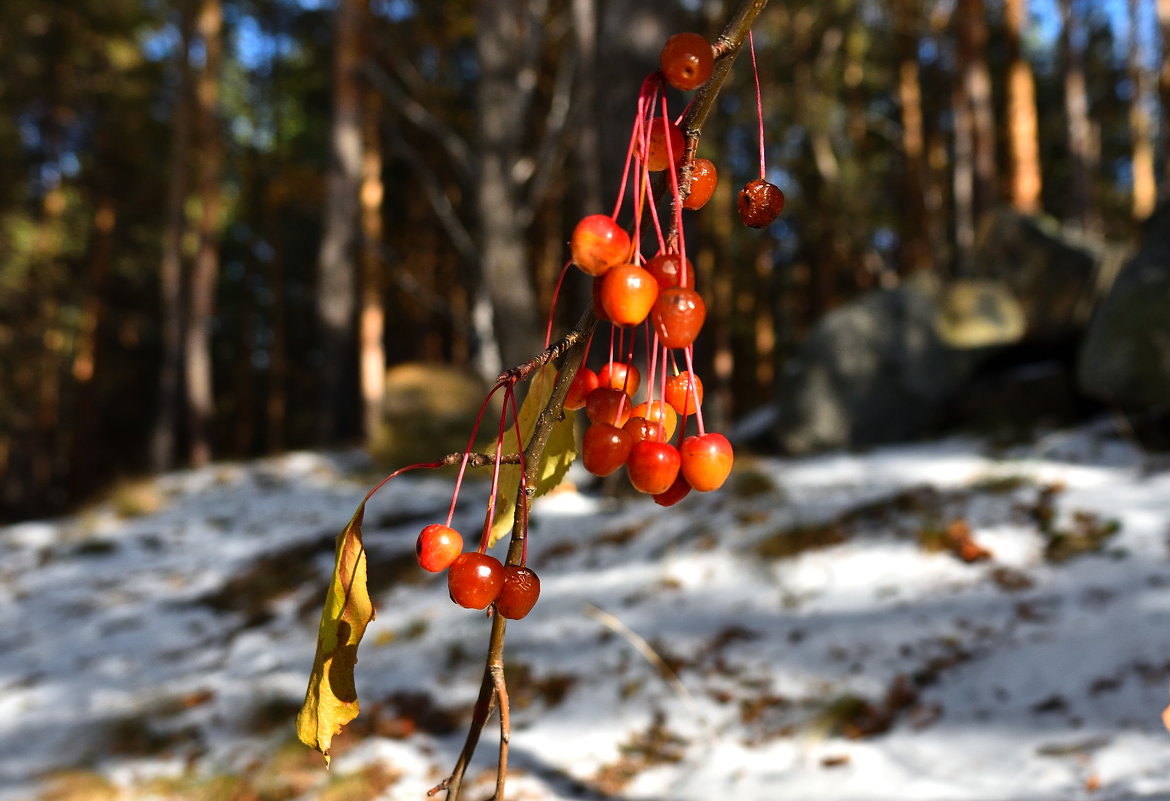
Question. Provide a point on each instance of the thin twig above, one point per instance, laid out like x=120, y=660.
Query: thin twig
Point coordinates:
x=644, y=648
x=501, y=691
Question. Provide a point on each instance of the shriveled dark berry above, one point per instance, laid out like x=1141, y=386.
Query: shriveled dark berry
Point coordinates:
x=760, y=203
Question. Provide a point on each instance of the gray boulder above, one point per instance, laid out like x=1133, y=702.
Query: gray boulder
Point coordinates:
x=1125, y=355
x=870, y=372
x=1056, y=275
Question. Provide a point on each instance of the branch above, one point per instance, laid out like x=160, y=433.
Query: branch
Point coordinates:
x=571, y=347
x=441, y=204
x=455, y=146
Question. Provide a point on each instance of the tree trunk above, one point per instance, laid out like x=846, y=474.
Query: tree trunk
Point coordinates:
x=505, y=35
x=336, y=278
x=915, y=240
x=974, y=125
x=373, y=315
x=1023, y=126
x=1163, y=10
x=201, y=299
x=1142, y=146
x=1082, y=209
x=163, y=437
x=588, y=145
x=86, y=351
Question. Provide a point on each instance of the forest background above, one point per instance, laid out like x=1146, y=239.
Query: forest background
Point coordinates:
x=221, y=220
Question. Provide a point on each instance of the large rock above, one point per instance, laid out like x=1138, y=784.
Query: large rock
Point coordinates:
x=870, y=372
x=979, y=314
x=428, y=412
x=1125, y=356
x=1056, y=275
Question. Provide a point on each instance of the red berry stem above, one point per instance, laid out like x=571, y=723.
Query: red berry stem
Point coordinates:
x=522, y=514
x=649, y=86
x=694, y=391
x=676, y=204
x=759, y=101
x=467, y=453
x=490, y=514
x=553, y=306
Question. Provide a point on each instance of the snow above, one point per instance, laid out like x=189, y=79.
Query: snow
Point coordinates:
x=176, y=644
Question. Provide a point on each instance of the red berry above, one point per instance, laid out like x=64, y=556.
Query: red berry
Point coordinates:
x=627, y=294
x=652, y=466
x=703, y=180
x=519, y=593
x=604, y=449
x=658, y=412
x=584, y=382
x=760, y=203
x=619, y=375
x=437, y=547
x=665, y=269
x=608, y=405
x=706, y=460
x=677, y=491
x=474, y=579
x=657, y=158
x=679, y=395
x=677, y=316
x=686, y=61
x=639, y=428
x=598, y=244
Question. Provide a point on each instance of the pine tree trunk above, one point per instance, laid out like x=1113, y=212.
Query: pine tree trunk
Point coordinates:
x=1082, y=153
x=974, y=187
x=915, y=240
x=588, y=145
x=504, y=35
x=201, y=297
x=373, y=315
x=86, y=351
x=1023, y=127
x=1140, y=126
x=1163, y=10
x=165, y=433
x=336, y=278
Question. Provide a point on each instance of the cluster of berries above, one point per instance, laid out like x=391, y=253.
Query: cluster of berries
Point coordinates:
x=656, y=295
x=476, y=580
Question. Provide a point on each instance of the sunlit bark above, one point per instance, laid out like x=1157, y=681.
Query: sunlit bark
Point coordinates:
x=1023, y=129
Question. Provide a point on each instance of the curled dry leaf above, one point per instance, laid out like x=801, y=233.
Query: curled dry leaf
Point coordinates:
x=331, y=699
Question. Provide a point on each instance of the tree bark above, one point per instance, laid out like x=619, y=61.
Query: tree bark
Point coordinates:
x=506, y=32
x=373, y=316
x=974, y=177
x=336, y=277
x=1140, y=126
x=86, y=352
x=164, y=435
x=201, y=300
x=915, y=239
x=1082, y=152
x=1023, y=126
x=588, y=144
x=1163, y=11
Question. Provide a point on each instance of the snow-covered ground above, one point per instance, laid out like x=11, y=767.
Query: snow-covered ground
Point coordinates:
x=827, y=639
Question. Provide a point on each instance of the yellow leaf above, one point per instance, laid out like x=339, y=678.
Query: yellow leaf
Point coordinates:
x=331, y=700
x=558, y=454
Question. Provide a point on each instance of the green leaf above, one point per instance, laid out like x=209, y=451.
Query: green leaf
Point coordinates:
x=558, y=455
x=331, y=699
